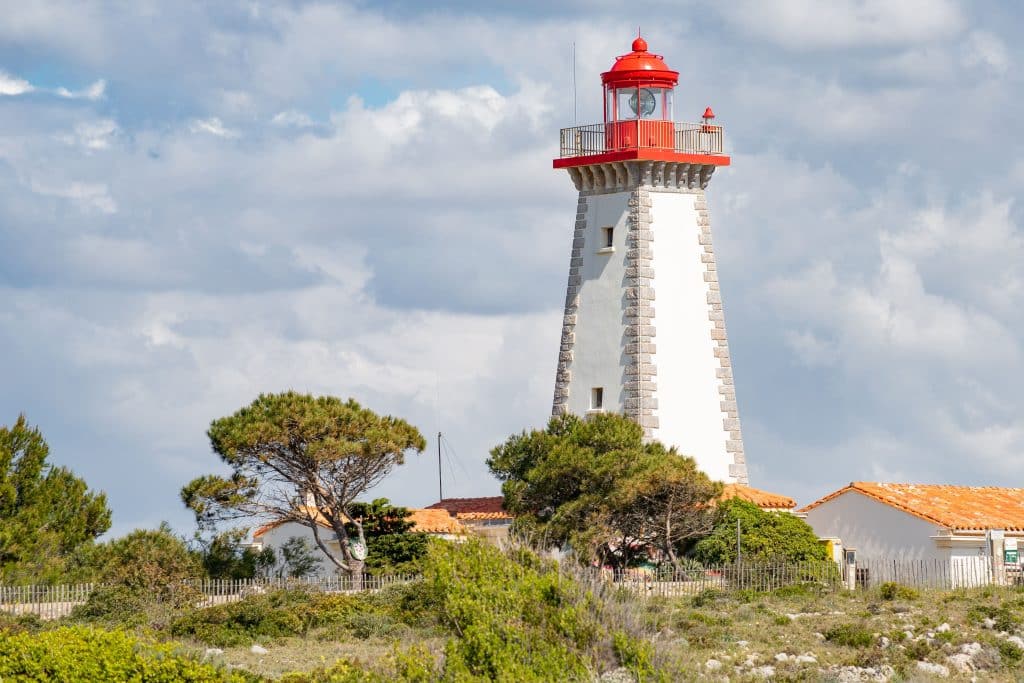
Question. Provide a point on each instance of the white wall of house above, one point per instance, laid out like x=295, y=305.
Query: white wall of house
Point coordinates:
x=876, y=530
x=279, y=535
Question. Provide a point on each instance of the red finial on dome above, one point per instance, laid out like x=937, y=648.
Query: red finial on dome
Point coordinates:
x=640, y=68
x=708, y=114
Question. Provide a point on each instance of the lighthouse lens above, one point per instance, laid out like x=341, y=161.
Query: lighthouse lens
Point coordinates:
x=647, y=103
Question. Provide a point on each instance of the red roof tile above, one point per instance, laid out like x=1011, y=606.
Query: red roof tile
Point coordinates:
x=429, y=521
x=959, y=508
x=489, y=507
x=762, y=499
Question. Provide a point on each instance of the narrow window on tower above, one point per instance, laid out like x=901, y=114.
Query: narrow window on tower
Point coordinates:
x=607, y=243
x=597, y=398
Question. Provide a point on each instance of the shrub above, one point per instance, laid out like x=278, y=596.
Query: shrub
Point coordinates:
x=271, y=615
x=516, y=617
x=20, y=623
x=1005, y=618
x=891, y=590
x=87, y=654
x=850, y=635
x=637, y=656
x=1009, y=651
x=708, y=596
x=284, y=613
x=765, y=537
x=144, y=578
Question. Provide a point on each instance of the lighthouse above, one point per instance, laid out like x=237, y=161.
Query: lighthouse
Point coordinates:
x=644, y=329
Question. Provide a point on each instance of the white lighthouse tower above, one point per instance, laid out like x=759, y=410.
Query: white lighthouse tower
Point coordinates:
x=644, y=330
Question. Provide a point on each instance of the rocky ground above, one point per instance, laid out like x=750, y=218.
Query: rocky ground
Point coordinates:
x=804, y=634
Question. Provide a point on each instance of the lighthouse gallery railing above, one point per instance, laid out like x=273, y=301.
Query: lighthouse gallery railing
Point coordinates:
x=620, y=136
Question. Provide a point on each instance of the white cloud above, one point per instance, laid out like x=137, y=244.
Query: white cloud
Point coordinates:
x=213, y=126
x=293, y=118
x=12, y=85
x=811, y=25
x=92, y=135
x=88, y=196
x=93, y=92
x=983, y=49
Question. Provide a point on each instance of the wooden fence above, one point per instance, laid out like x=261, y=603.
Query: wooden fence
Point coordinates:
x=54, y=602
x=57, y=601
x=732, y=577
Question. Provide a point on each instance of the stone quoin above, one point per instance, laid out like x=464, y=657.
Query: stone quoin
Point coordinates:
x=644, y=329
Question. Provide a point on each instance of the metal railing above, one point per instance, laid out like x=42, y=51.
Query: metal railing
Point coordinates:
x=620, y=136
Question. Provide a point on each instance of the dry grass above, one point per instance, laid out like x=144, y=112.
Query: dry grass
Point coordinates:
x=823, y=635
x=289, y=655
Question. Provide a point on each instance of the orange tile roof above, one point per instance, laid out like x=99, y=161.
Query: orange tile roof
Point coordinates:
x=489, y=507
x=424, y=521
x=435, y=522
x=959, y=508
x=762, y=499
x=273, y=525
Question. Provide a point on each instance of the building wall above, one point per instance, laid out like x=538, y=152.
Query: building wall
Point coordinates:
x=644, y=320
x=598, y=357
x=277, y=537
x=689, y=411
x=876, y=530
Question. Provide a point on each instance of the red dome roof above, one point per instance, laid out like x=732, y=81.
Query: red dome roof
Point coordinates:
x=640, y=67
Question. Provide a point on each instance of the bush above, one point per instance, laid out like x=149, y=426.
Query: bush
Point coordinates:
x=851, y=635
x=276, y=614
x=1005, y=618
x=891, y=590
x=285, y=613
x=518, y=618
x=1009, y=651
x=87, y=654
x=765, y=537
x=144, y=577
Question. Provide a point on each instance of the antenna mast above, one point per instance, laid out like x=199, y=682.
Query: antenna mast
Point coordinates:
x=574, y=118
x=440, y=487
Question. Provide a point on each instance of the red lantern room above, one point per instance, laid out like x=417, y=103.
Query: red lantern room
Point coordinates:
x=639, y=94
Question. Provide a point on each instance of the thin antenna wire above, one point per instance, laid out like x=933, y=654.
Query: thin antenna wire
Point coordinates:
x=449, y=450
x=574, y=118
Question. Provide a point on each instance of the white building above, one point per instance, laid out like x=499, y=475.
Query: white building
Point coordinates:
x=436, y=523
x=644, y=331
x=963, y=535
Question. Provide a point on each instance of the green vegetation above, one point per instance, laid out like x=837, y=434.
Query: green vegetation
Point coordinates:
x=593, y=484
x=764, y=537
x=851, y=635
x=48, y=517
x=225, y=555
x=392, y=548
x=305, y=459
x=895, y=591
x=89, y=654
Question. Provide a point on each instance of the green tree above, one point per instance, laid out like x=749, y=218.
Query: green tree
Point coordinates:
x=392, y=548
x=47, y=514
x=593, y=484
x=297, y=559
x=304, y=459
x=145, y=575
x=764, y=536
x=226, y=556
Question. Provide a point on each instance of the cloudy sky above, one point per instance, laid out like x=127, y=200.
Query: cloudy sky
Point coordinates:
x=200, y=202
